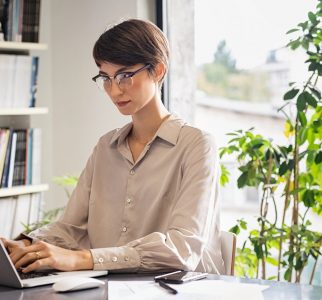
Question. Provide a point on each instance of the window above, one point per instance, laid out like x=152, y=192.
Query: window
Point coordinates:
x=243, y=71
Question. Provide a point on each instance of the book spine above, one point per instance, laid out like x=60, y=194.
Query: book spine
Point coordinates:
x=4, y=179
x=36, y=156
x=20, y=158
x=7, y=211
x=3, y=149
x=34, y=81
x=12, y=159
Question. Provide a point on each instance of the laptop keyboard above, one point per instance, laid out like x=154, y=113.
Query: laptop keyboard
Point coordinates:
x=33, y=274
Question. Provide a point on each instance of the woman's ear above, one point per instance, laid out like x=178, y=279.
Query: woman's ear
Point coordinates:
x=159, y=71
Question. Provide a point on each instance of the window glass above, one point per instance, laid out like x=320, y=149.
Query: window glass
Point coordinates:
x=243, y=70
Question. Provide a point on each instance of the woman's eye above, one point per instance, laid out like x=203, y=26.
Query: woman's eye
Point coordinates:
x=124, y=75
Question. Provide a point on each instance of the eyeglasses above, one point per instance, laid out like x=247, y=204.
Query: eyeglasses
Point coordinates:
x=124, y=80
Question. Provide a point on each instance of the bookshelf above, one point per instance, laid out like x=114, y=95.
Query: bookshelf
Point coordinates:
x=21, y=190
x=22, y=46
x=21, y=187
x=28, y=111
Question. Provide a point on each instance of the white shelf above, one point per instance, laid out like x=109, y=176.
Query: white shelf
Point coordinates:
x=23, y=111
x=25, y=189
x=22, y=46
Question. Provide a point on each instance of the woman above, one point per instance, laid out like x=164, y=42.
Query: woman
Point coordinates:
x=147, y=198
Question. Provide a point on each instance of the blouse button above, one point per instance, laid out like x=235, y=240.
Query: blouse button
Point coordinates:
x=128, y=200
x=132, y=172
x=100, y=260
x=114, y=258
x=124, y=229
x=126, y=258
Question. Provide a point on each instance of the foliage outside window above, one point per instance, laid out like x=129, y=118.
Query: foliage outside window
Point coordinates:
x=291, y=173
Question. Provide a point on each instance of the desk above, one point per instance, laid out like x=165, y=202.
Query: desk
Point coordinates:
x=276, y=290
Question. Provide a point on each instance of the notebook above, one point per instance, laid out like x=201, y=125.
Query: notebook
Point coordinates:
x=9, y=276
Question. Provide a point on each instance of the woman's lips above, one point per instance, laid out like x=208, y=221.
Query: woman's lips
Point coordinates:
x=122, y=103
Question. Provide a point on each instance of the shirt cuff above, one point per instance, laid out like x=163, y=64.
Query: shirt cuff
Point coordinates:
x=115, y=258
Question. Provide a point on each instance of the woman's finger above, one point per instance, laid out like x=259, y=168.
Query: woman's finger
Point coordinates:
x=36, y=265
x=27, y=259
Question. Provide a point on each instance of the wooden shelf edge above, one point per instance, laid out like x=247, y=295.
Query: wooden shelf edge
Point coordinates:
x=23, y=111
x=22, y=46
x=21, y=190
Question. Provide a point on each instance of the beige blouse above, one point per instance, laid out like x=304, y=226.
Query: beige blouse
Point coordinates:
x=159, y=213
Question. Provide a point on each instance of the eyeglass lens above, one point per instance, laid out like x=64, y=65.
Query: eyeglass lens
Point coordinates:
x=123, y=80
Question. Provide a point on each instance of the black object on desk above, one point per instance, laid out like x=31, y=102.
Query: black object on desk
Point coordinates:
x=167, y=287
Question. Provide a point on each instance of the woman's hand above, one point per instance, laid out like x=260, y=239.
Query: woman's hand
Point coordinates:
x=11, y=245
x=41, y=254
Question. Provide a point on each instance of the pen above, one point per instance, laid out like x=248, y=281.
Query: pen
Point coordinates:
x=167, y=287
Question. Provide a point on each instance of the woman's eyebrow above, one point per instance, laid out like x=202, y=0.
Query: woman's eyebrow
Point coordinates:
x=123, y=69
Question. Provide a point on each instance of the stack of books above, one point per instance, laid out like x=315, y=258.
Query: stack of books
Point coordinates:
x=20, y=154
x=20, y=20
x=18, y=80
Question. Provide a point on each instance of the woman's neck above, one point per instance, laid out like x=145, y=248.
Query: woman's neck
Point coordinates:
x=146, y=123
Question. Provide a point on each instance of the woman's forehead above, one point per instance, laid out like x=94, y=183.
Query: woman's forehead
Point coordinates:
x=110, y=68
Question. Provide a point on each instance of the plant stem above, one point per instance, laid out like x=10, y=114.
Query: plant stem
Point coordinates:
x=313, y=271
x=286, y=202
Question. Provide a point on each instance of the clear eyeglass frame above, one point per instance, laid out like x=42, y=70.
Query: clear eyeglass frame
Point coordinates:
x=124, y=80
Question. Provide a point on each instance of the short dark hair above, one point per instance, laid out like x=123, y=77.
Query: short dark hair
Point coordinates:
x=133, y=42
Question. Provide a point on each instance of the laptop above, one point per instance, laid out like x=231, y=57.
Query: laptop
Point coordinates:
x=9, y=276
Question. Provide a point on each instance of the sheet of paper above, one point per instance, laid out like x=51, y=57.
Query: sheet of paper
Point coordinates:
x=202, y=289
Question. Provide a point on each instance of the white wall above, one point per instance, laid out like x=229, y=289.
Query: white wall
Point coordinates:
x=79, y=112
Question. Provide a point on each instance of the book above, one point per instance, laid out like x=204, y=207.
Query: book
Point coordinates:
x=5, y=173
x=18, y=80
x=22, y=81
x=7, y=211
x=4, y=139
x=7, y=75
x=21, y=214
x=20, y=158
x=34, y=81
x=12, y=159
x=31, y=17
x=35, y=208
x=36, y=156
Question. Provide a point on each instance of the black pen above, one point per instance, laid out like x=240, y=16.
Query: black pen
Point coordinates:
x=167, y=287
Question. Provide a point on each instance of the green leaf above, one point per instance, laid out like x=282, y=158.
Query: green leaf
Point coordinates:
x=272, y=261
x=303, y=25
x=235, y=229
x=310, y=99
x=302, y=135
x=302, y=118
x=243, y=224
x=290, y=94
x=312, y=17
x=224, y=175
x=292, y=30
x=308, y=198
x=242, y=179
x=301, y=102
x=294, y=44
x=318, y=158
x=316, y=93
x=283, y=168
x=287, y=274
